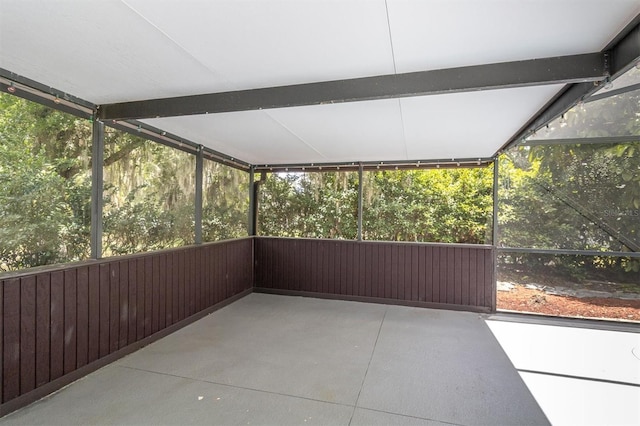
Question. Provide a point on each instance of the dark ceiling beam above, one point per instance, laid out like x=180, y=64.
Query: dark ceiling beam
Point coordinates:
x=583, y=141
x=350, y=166
x=621, y=54
x=48, y=96
x=613, y=92
x=565, y=69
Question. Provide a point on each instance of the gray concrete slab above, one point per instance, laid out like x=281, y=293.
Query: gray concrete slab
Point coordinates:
x=118, y=395
x=297, y=346
x=364, y=417
x=269, y=359
x=445, y=366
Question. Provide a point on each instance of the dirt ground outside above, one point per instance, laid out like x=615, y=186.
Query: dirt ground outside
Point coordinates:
x=528, y=298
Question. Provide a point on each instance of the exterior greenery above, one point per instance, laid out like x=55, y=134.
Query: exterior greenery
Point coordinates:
x=313, y=205
x=225, y=202
x=45, y=191
x=149, y=195
x=444, y=205
x=45, y=185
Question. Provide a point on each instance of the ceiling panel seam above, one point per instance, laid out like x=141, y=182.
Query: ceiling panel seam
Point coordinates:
x=217, y=74
x=393, y=55
x=300, y=138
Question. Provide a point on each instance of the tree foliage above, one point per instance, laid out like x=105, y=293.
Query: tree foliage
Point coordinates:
x=44, y=187
x=45, y=191
x=580, y=195
x=313, y=205
x=399, y=205
x=441, y=205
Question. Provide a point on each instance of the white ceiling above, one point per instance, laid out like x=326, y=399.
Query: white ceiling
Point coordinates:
x=115, y=51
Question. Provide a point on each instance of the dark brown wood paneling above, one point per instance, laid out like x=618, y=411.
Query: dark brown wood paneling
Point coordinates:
x=444, y=274
x=132, y=311
x=480, y=273
x=337, y=252
x=114, y=306
x=82, y=309
x=181, y=284
x=353, y=268
x=424, y=274
x=155, y=294
x=123, y=319
x=435, y=273
x=457, y=267
x=170, y=273
x=215, y=270
x=192, y=282
x=200, y=305
x=326, y=266
x=361, y=271
x=70, y=317
x=11, y=339
x=464, y=270
x=148, y=296
x=57, y=324
x=162, y=314
x=43, y=327
x=368, y=270
x=473, y=281
x=105, y=305
x=140, y=298
x=414, y=265
x=409, y=272
x=27, y=334
x=313, y=260
x=395, y=282
x=94, y=313
x=175, y=304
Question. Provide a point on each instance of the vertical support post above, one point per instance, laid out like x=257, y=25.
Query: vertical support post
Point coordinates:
x=198, y=206
x=97, y=186
x=360, y=192
x=494, y=235
x=253, y=211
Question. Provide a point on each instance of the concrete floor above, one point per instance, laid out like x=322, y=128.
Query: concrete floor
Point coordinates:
x=269, y=359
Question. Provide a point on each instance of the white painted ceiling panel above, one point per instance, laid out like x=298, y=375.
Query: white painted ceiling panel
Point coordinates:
x=251, y=136
x=435, y=34
x=468, y=125
x=257, y=43
x=354, y=131
x=99, y=51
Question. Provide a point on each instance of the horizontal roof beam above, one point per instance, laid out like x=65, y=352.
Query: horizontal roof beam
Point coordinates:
x=375, y=165
x=564, y=69
x=583, y=141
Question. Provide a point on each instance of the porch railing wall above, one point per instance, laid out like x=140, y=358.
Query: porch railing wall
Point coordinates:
x=417, y=274
x=59, y=323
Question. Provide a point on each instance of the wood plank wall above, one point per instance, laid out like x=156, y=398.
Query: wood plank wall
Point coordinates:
x=458, y=276
x=56, y=321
